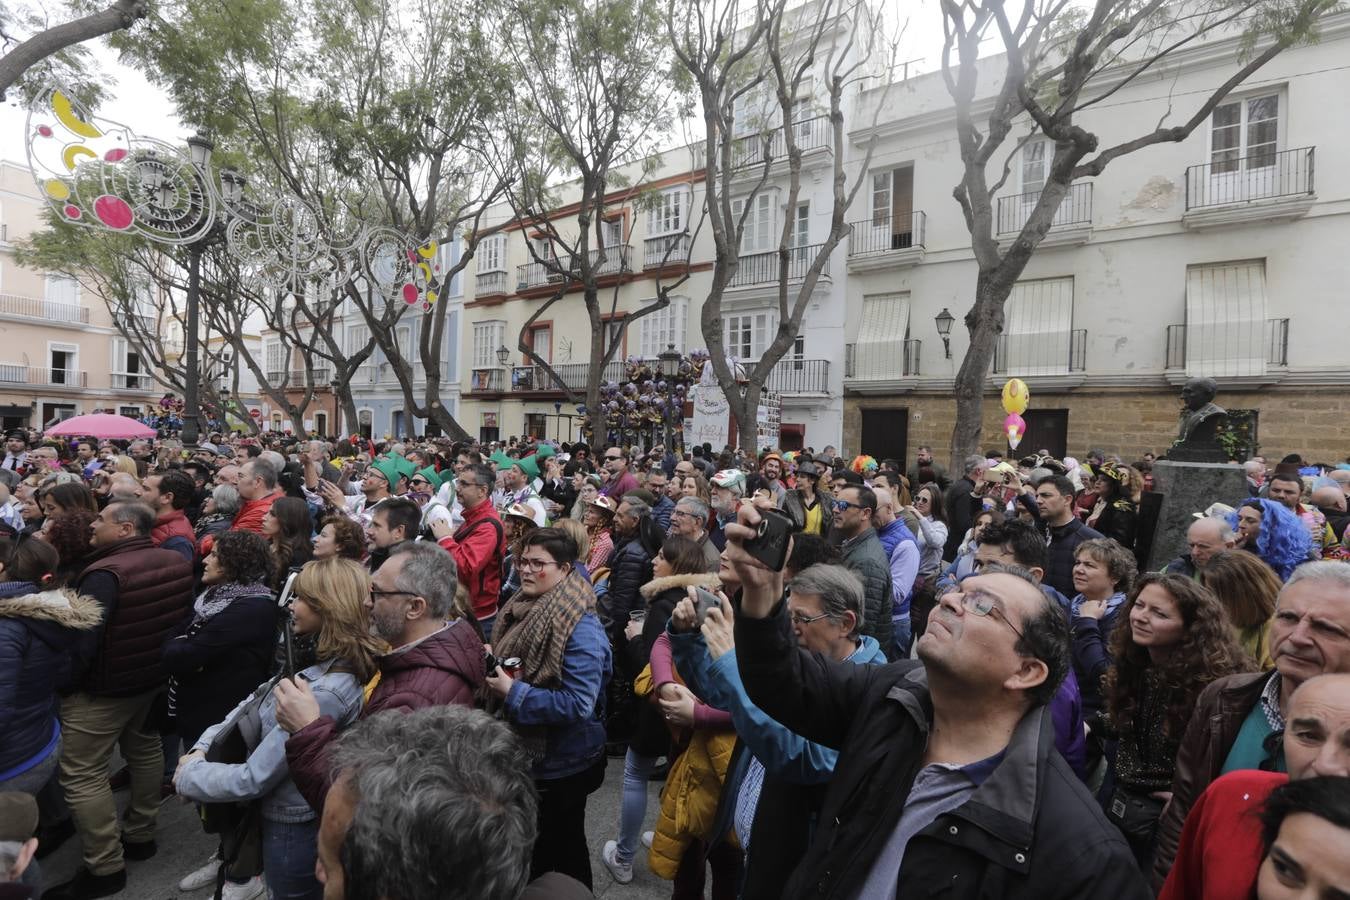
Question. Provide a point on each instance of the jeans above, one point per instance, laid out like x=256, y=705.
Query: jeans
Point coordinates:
x=902, y=630
x=637, y=770
x=92, y=726
x=561, y=845
x=486, y=626
x=289, y=852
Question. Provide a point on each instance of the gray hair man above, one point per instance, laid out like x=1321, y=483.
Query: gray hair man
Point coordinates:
x=1309, y=636
x=961, y=504
x=1205, y=537
x=690, y=519
x=468, y=829
x=437, y=658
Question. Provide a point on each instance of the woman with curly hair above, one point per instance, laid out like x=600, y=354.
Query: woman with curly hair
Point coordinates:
x=1271, y=531
x=340, y=536
x=1103, y=572
x=1173, y=640
x=1246, y=588
x=68, y=533
x=1115, y=511
x=65, y=496
x=288, y=528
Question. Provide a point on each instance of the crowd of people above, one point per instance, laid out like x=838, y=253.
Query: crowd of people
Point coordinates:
x=400, y=670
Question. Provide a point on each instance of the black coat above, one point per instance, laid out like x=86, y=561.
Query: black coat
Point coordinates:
x=1059, y=554
x=962, y=507
x=1030, y=830
x=630, y=567
x=219, y=661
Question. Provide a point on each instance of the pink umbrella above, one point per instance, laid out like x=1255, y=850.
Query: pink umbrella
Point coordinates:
x=101, y=425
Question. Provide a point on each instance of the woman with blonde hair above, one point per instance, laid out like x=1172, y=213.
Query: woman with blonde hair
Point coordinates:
x=329, y=606
x=1246, y=588
x=581, y=535
x=124, y=463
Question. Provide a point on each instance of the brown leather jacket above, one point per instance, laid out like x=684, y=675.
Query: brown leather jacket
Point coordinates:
x=1219, y=713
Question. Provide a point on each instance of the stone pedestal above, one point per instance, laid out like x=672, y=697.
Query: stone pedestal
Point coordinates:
x=1187, y=488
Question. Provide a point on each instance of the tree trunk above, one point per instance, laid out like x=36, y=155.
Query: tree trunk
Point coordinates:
x=447, y=423
x=984, y=323
x=122, y=14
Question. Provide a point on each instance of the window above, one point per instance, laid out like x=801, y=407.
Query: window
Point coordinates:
x=892, y=209
x=752, y=111
x=63, y=361
x=1244, y=133
x=541, y=342
x=611, y=232
x=1035, y=166
x=797, y=353
x=758, y=234
x=801, y=233
x=665, y=326
x=542, y=248
x=749, y=335
x=487, y=337
x=275, y=355
x=668, y=212
x=1226, y=319
x=536, y=425
x=126, y=370
x=358, y=338
x=1037, y=328
x=880, y=350
x=614, y=335
x=492, y=254
x=63, y=289
x=403, y=334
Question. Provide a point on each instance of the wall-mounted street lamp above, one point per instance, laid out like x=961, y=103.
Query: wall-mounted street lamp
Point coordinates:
x=944, y=321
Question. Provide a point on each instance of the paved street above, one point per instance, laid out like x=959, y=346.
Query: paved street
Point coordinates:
x=183, y=847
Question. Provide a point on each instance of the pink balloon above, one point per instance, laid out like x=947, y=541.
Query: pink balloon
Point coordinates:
x=1014, y=420
x=113, y=212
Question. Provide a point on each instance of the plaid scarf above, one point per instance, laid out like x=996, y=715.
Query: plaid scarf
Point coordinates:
x=537, y=629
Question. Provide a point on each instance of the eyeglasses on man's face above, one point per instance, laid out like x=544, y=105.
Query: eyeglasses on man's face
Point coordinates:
x=843, y=505
x=984, y=604
x=800, y=619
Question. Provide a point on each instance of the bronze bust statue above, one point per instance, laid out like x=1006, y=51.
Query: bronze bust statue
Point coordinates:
x=1197, y=437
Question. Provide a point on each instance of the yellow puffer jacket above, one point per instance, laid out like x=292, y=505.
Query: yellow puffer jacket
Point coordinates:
x=689, y=799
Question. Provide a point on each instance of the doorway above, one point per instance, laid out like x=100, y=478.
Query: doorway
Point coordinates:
x=885, y=433
x=1047, y=429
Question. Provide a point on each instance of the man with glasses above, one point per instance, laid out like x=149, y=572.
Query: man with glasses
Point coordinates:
x=855, y=508
x=947, y=772
x=656, y=485
x=436, y=659
x=621, y=481
x=477, y=545
x=690, y=519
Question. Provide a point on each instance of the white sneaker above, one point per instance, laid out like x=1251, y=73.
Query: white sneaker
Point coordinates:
x=610, y=855
x=200, y=878
x=647, y=838
x=254, y=887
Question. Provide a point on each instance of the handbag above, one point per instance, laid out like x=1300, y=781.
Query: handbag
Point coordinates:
x=1136, y=815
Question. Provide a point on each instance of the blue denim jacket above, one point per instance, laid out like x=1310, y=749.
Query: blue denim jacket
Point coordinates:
x=573, y=713
x=783, y=753
x=265, y=774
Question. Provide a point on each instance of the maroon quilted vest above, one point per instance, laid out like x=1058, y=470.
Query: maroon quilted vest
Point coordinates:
x=154, y=592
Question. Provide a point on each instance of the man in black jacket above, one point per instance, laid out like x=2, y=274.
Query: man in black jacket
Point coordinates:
x=1065, y=531
x=630, y=567
x=962, y=505
x=947, y=773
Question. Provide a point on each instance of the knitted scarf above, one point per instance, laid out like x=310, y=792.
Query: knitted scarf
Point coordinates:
x=208, y=604
x=537, y=629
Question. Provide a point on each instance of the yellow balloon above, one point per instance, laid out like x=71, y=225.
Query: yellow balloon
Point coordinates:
x=1016, y=396
x=66, y=115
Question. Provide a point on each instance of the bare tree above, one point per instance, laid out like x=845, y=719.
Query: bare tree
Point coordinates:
x=59, y=42
x=1061, y=59
x=756, y=66
x=610, y=100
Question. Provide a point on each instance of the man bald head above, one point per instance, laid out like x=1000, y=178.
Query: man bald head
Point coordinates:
x=1206, y=537
x=885, y=507
x=1317, y=736
x=1341, y=477
x=1329, y=498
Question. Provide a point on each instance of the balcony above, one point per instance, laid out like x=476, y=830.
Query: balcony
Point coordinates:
x=1230, y=351
x=1257, y=188
x=799, y=376
x=527, y=379
x=884, y=242
x=764, y=268
x=131, y=381
x=1026, y=355
x=535, y=274
x=1071, y=224
x=809, y=135
x=487, y=381
x=882, y=361
x=666, y=250
x=487, y=284
x=15, y=373
x=46, y=310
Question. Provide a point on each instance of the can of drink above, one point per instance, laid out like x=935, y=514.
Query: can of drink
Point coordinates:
x=510, y=665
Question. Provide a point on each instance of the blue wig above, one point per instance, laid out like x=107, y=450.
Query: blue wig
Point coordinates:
x=1284, y=541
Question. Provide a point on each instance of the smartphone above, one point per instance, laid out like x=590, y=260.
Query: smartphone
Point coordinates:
x=704, y=601
x=771, y=540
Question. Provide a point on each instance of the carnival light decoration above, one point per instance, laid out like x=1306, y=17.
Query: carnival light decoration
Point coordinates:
x=96, y=173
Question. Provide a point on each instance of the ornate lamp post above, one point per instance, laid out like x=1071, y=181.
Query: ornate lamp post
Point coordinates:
x=943, y=321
